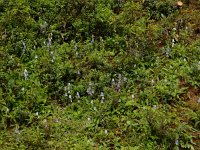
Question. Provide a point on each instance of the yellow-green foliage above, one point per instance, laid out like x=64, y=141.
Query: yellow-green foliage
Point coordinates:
x=99, y=74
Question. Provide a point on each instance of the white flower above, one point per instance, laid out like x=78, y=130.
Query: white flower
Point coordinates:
x=79, y=73
x=78, y=95
x=76, y=54
x=92, y=41
x=92, y=102
x=24, y=45
x=154, y=106
x=113, y=81
x=198, y=100
x=125, y=79
x=119, y=76
x=75, y=47
x=152, y=81
x=176, y=142
x=173, y=41
x=106, y=131
x=102, y=94
x=17, y=131
x=49, y=42
x=25, y=74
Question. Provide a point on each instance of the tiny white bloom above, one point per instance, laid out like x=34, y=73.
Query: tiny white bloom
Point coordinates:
x=198, y=100
x=106, y=131
x=76, y=54
x=113, y=81
x=125, y=79
x=78, y=95
x=24, y=45
x=92, y=102
x=176, y=142
x=152, y=81
x=17, y=131
x=25, y=74
x=79, y=73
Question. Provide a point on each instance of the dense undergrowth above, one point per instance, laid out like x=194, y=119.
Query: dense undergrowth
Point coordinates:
x=99, y=74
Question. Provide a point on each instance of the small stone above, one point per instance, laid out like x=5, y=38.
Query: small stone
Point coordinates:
x=179, y=4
